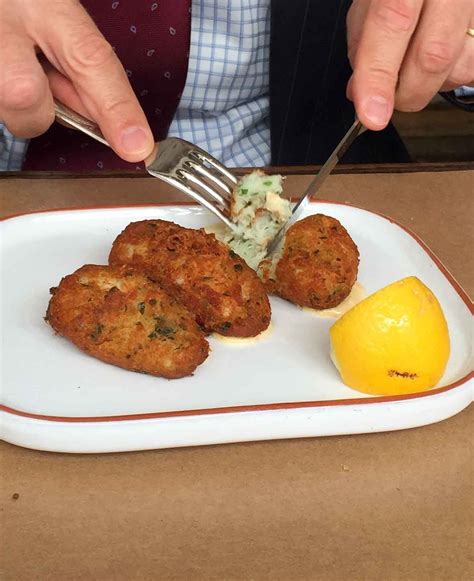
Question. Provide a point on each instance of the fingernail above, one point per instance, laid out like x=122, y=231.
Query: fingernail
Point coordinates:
x=377, y=110
x=134, y=140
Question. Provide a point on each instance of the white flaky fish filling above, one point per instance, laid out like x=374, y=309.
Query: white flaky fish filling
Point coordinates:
x=259, y=212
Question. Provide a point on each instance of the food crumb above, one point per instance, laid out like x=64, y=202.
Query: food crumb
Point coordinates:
x=15, y=496
x=345, y=468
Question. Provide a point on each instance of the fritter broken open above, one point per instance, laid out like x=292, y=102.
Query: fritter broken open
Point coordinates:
x=318, y=265
x=215, y=284
x=118, y=315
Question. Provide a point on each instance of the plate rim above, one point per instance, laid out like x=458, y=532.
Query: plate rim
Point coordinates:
x=254, y=407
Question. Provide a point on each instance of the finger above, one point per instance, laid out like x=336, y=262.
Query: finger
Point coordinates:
x=350, y=82
x=89, y=62
x=435, y=48
x=26, y=104
x=63, y=90
x=388, y=28
x=355, y=23
x=463, y=71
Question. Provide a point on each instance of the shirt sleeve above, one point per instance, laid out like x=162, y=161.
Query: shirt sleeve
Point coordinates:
x=464, y=92
x=462, y=97
x=12, y=150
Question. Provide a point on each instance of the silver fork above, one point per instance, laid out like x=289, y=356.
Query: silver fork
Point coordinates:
x=178, y=163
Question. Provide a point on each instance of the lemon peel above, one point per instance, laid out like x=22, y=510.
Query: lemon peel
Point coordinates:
x=396, y=341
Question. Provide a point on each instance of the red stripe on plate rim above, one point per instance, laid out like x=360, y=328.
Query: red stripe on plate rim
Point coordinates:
x=258, y=407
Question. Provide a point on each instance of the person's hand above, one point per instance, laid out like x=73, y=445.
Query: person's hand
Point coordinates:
x=82, y=71
x=404, y=51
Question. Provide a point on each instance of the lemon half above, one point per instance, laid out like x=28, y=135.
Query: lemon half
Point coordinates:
x=396, y=341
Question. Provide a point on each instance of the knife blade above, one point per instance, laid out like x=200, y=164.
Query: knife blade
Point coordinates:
x=354, y=131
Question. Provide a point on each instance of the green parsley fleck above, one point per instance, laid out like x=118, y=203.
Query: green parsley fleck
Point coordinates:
x=162, y=329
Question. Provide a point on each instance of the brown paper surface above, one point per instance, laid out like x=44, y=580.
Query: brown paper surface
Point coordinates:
x=368, y=507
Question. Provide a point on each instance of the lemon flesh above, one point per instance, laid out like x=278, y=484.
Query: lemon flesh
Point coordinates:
x=396, y=341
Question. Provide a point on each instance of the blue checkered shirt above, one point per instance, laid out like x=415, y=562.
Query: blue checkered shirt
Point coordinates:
x=225, y=104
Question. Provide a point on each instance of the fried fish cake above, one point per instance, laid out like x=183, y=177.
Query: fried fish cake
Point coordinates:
x=120, y=316
x=215, y=284
x=318, y=265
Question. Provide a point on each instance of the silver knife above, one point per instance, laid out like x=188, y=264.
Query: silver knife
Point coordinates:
x=315, y=185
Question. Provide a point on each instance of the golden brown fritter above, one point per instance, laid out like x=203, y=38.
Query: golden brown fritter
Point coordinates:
x=120, y=316
x=215, y=284
x=318, y=266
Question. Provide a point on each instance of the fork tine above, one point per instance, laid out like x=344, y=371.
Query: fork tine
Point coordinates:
x=206, y=157
x=197, y=167
x=196, y=173
x=180, y=184
x=185, y=174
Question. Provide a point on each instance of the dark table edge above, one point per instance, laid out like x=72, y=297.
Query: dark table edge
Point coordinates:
x=286, y=170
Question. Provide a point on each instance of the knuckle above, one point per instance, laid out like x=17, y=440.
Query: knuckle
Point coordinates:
x=436, y=57
x=395, y=15
x=90, y=50
x=20, y=94
x=115, y=107
x=380, y=75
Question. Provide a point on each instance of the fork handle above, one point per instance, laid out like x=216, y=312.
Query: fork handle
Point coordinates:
x=76, y=121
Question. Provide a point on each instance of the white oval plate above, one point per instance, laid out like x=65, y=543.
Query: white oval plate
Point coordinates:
x=54, y=397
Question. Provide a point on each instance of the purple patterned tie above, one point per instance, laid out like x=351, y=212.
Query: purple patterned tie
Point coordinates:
x=152, y=41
